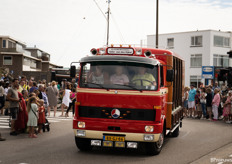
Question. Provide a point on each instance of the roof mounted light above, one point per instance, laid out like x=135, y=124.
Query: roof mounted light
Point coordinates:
x=93, y=51
x=147, y=53
x=102, y=51
x=138, y=51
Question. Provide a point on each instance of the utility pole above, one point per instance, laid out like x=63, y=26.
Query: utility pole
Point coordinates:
x=108, y=23
x=157, y=24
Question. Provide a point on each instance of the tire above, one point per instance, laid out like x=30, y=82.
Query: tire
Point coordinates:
x=83, y=144
x=154, y=148
x=176, y=132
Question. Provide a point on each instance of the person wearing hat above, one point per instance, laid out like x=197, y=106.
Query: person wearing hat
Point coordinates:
x=191, y=99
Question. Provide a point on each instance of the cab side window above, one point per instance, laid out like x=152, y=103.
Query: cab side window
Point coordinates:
x=161, y=76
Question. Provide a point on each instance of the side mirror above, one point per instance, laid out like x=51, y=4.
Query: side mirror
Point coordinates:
x=170, y=75
x=72, y=71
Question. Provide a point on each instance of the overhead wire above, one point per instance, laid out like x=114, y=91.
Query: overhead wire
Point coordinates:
x=114, y=20
x=78, y=32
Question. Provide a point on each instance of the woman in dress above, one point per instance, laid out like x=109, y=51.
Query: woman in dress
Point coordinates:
x=52, y=93
x=227, y=107
x=66, y=99
x=21, y=122
x=32, y=109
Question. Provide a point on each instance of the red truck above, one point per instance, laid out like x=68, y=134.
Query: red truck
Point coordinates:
x=128, y=97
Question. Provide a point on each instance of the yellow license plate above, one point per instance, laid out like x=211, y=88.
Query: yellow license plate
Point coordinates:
x=113, y=138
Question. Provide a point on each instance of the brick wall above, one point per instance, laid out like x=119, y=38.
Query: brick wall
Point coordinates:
x=38, y=75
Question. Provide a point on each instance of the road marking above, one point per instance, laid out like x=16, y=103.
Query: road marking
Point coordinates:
x=5, y=127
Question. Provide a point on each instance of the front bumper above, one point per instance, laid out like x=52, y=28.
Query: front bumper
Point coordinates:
x=137, y=137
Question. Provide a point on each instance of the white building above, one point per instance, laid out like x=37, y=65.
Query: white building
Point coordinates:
x=197, y=48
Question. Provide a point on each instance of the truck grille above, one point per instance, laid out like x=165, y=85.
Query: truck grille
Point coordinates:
x=125, y=114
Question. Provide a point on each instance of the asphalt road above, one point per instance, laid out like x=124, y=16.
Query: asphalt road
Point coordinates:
x=200, y=141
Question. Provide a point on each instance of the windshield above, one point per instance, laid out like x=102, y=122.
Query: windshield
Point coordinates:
x=118, y=75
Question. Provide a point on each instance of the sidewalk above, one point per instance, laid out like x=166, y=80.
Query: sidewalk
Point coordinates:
x=222, y=155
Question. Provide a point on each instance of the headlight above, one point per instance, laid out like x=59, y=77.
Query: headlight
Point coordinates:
x=149, y=128
x=81, y=124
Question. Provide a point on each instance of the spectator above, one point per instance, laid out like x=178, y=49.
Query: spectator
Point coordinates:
x=227, y=107
x=32, y=109
x=14, y=100
x=20, y=88
x=25, y=94
x=185, y=100
x=191, y=100
x=7, y=104
x=216, y=86
x=66, y=99
x=203, y=102
x=34, y=87
x=2, y=97
x=41, y=119
x=71, y=104
x=209, y=98
x=52, y=93
x=197, y=112
x=215, y=104
x=21, y=122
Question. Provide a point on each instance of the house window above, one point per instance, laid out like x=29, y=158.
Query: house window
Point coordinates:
x=11, y=44
x=3, y=43
x=7, y=60
x=170, y=42
x=196, y=60
x=196, y=41
x=195, y=80
x=220, y=41
x=220, y=60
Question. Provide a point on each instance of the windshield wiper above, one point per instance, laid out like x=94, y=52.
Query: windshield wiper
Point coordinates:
x=130, y=86
x=100, y=85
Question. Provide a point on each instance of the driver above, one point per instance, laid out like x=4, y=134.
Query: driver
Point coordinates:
x=143, y=78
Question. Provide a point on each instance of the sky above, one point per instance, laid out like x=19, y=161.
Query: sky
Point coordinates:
x=69, y=29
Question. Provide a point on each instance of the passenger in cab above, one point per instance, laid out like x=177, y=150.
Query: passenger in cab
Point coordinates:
x=97, y=76
x=119, y=77
x=143, y=78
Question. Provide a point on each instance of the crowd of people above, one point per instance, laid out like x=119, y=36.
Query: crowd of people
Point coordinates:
x=210, y=102
x=29, y=102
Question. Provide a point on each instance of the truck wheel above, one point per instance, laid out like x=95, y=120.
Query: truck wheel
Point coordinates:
x=176, y=132
x=154, y=148
x=83, y=144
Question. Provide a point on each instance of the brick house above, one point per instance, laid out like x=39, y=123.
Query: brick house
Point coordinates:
x=19, y=60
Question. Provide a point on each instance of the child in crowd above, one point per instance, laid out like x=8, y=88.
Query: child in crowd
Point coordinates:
x=32, y=109
x=41, y=119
